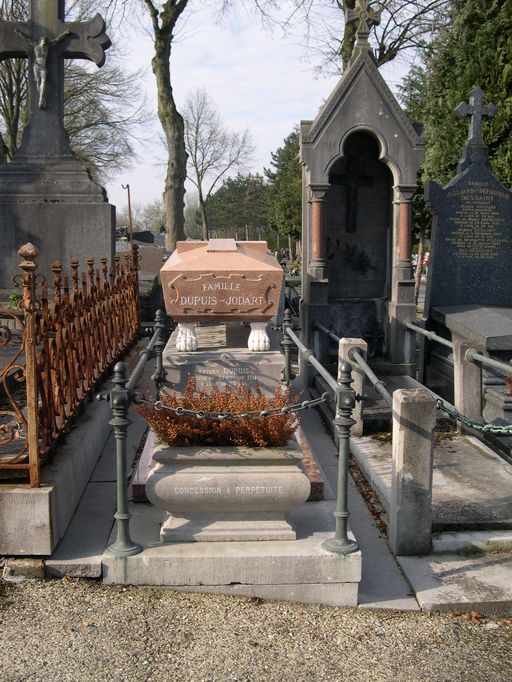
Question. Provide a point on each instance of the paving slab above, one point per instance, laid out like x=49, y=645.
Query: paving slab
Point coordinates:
x=471, y=484
x=267, y=569
x=383, y=585
x=457, y=583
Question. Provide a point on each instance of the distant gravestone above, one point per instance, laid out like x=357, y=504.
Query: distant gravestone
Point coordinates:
x=469, y=288
x=47, y=196
x=471, y=245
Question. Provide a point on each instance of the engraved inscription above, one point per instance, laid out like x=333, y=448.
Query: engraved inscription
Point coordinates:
x=242, y=490
x=212, y=294
x=478, y=222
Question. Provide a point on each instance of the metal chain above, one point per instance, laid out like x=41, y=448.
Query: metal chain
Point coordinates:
x=237, y=416
x=485, y=428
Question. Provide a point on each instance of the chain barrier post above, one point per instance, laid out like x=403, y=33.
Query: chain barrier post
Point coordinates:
x=287, y=345
x=159, y=375
x=120, y=403
x=345, y=403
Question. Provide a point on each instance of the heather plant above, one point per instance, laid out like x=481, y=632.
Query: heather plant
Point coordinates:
x=184, y=430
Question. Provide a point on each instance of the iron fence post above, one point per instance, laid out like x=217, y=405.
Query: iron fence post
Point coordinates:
x=345, y=403
x=287, y=345
x=29, y=304
x=120, y=403
x=159, y=374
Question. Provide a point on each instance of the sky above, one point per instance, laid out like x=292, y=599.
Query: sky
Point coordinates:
x=257, y=78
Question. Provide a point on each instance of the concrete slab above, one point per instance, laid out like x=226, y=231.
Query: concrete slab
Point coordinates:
x=455, y=583
x=34, y=520
x=383, y=585
x=79, y=553
x=337, y=594
x=266, y=563
x=471, y=484
x=471, y=542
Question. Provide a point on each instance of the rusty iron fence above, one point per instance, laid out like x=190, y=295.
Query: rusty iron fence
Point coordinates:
x=56, y=347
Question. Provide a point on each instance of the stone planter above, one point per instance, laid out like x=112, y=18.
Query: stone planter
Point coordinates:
x=227, y=493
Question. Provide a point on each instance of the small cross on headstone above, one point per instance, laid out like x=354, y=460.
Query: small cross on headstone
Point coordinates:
x=476, y=109
x=47, y=39
x=366, y=16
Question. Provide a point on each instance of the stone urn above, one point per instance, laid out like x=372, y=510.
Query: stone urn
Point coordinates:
x=227, y=493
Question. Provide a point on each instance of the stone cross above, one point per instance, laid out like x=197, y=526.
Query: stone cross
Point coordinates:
x=47, y=39
x=366, y=16
x=476, y=109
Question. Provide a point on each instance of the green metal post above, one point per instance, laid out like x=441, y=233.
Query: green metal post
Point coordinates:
x=159, y=375
x=287, y=345
x=120, y=403
x=345, y=403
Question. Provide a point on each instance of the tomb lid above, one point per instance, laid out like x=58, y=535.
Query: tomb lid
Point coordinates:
x=236, y=256
x=488, y=327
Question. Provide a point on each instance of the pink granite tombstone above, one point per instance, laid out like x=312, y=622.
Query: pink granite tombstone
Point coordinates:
x=222, y=280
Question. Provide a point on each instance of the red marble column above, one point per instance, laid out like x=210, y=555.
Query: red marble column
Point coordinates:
x=317, y=239
x=404, y=231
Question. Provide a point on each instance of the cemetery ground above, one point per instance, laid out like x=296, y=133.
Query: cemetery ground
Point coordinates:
x=75, y=629
x=83, y=630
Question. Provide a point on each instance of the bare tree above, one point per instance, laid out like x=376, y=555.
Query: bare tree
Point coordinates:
x=213, y=150
x=13, y=86
x=405, y=25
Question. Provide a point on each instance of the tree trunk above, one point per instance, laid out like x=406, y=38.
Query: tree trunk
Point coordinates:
x=203, y=214
x=170, y=119
x=419, y=265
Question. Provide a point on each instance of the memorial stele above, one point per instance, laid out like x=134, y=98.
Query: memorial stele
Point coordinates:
x=224, y=281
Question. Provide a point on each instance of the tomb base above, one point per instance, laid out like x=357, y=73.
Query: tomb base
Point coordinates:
x=227, y=493
x=60, y=229
x=226, y=527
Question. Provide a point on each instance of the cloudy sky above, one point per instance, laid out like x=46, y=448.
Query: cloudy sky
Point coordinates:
x=258, y=79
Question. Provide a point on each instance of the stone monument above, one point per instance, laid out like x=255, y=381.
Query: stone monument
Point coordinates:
x=222, y=280
x=360, y=157
x=46, y=196
x=215, y=290
x=224, y=493
x=469, y=288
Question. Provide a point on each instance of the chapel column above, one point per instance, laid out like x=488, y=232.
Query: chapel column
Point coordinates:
x=403, y=200
x=316, y=266
x=402, y=307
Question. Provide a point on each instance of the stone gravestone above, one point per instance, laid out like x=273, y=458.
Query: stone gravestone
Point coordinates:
x=225, y=285
x=46, y=196
x=471, y=246
x=469, y=288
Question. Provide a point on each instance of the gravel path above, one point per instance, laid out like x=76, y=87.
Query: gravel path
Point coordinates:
x=75, y=630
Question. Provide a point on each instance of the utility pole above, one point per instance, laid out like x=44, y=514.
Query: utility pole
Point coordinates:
x=130, y=225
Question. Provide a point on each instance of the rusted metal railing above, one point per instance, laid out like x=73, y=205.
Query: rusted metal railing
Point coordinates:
x=72, y=333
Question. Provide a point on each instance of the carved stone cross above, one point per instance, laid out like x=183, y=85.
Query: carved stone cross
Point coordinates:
x=366, y=16
x=476, y=109
x=47, y=39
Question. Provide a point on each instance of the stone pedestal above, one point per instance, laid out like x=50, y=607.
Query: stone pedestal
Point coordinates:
x=59, y=227
x=227, y=493
x=222, y=359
